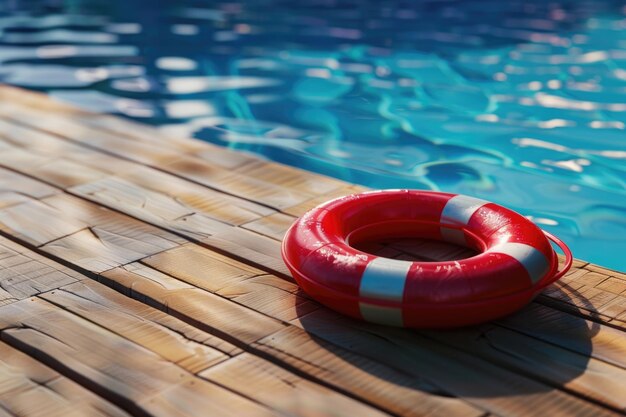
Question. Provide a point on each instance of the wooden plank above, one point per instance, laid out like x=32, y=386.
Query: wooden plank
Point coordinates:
x=219, y=156
x=30, y=388
x=150, y=206
x=133, y=321
x=146, y=153
x=118, y=320
x=68, y=388
x=201, y=268
x=282, y=390
x=154, y=153
x=193, y=398
x=398, y=394
x=40, y=144
x=18, y=136
x=168, y=212
x=235, y=183
x=586, y=300
x=250, y=247
x=181, y=168
x=55, y=170
x=192, y=168
x=270, y=295
x=92, y=230
x=605, y=271
x=24, y=274
x=299, y=209
x=272, y=184
x=11, y=94
x=613, y=285
x=292, y=178
x=581, y=276
x=37, y=223
x=264, y=291
x=5, y=413
x=577, y=373
x=99, y=217
x=570, y=332
x=214, y=204
x=98, y=250
x=145, y=133
x=94, y=131
x=202, y=309
x=122, y=127
x=498, y=389
x=274, y=226
x=92, y=237
x=135, y=378
x=219, y=274
x=16, y=188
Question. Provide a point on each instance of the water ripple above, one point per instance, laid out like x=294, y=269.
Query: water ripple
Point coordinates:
x=519, y=102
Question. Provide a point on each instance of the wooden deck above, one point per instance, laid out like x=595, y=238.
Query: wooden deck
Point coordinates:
x=141, y=275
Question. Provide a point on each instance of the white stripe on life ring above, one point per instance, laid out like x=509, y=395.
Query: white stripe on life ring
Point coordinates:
x=458, y=211
x=389, y=316
x=384, y=279
x=531, y=259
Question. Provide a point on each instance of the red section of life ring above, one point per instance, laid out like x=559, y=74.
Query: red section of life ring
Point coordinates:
x=516, y=261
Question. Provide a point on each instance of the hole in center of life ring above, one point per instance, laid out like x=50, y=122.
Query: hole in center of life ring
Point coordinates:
x=410, y=241
x=415, y=249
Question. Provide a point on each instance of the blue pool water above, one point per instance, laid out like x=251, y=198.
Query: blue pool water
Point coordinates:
x=520, y=102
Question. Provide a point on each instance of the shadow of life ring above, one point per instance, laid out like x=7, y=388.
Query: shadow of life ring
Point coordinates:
x=516, y=260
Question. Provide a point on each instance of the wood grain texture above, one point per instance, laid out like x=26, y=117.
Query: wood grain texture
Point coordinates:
x=37, y=223
x=499, y=389
x=29, y=388
x=234, y=183
x=218, y=205
x=15, y=188
x=284, y=391
x=24, y=274
x=55, y=170
x=591, y=291
x=554, y=365
x=274, y=226
x=170, y=212
x=200, y=308
x=98, y=250
x=88, y=235
x=39, y=144
x=66, y=126
x=133, y=377
x=299, y=209
x=110, y=310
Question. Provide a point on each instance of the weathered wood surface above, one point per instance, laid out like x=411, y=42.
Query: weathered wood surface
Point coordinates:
x=141, y=274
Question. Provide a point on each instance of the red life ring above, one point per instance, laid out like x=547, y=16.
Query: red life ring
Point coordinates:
x=516, y=260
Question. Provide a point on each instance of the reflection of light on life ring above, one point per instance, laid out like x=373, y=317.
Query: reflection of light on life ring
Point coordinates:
x=515, y=263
